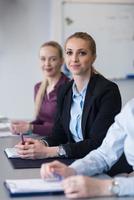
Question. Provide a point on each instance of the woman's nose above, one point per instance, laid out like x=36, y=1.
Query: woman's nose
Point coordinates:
x=47, y=62
x=75, y=58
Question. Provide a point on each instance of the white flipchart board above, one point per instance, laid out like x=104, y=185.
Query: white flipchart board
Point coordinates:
x=112, y=27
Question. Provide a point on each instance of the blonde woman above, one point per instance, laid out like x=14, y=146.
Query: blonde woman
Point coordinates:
x=51, y=60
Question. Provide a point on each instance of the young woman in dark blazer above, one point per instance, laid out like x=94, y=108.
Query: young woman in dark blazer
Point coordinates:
x=86, y=106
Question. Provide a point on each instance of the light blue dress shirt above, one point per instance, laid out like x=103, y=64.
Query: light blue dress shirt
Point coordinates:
x=76, y=112
x=120, y=137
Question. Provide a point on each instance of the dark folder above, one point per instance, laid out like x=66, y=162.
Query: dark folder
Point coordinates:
x=19, y=163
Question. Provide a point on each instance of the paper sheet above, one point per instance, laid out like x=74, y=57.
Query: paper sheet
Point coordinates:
x=33, y=186
x=12, y=152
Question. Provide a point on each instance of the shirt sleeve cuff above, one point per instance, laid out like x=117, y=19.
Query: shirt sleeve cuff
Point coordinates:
x=44, y=142
x=126, y=185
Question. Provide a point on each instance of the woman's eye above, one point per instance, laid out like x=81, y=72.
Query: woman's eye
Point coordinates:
x=53, y=59
x=42, y=59
x=69, y=52
x=82, y=53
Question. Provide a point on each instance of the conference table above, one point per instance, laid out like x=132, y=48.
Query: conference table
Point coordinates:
x=8, y=172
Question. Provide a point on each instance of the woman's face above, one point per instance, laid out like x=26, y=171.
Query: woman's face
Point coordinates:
x=50, y=61
x=78, y=56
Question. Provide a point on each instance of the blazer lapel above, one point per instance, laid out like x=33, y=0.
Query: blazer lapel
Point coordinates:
x=67, y=107
x=89, y=99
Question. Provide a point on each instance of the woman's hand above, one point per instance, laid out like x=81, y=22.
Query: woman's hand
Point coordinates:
x=83, y=187
x=19, y=127
x=56, y=167
x=34, y=149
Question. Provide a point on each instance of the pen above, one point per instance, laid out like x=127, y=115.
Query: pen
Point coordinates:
x=22, y=139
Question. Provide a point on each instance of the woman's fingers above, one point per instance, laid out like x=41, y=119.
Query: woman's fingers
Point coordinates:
x=47, y=170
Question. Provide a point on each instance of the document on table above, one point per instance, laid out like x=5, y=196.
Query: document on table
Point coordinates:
x=4, y=119
x=33, y=186
x=4, y=130
x=12, y=152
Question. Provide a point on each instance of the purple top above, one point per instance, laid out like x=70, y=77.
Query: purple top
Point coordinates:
x=44, y=122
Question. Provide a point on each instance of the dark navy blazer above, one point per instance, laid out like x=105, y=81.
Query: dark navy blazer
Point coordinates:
x=102, y=103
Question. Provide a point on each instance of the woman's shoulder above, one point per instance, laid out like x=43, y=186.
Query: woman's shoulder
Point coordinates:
x=65, y=88
x=103, y=81
x=63, y=82
x=101, y=85
x=64, y=78
x=37, y=85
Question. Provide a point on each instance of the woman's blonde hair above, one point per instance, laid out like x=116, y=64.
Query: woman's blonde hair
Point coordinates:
x=91, y=42
x=44, y=83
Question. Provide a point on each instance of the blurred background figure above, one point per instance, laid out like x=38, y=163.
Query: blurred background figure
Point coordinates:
x=51, y=60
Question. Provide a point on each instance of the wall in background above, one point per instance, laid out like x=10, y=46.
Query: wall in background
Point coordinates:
x=24, y=26
x=126, y=87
